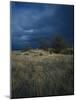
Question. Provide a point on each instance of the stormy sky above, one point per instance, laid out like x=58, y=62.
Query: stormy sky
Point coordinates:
x=33, y=21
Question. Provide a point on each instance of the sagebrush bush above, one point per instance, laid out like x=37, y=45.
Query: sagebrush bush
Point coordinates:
x=26, y=53
x=40, y=54
x=67, y=51
x=62, y=51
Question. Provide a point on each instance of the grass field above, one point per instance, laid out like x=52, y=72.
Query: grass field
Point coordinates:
x=39, y=73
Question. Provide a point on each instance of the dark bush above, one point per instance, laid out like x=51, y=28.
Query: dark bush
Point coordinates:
x=26, y=53
x=51, y=50
x=41, y=54
x=67, y=51
x=26, y=48
x=58, y=44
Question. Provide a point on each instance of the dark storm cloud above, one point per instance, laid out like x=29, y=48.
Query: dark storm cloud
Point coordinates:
x=30, y=21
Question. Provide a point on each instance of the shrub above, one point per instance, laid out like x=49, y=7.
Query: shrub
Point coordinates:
x=67, y=51
x=50, y=50
x=41, y=54
x=58, y=44
x=26, y=53
x=26, y=48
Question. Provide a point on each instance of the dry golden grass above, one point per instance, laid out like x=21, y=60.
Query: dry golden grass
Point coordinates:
x=39, y=73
